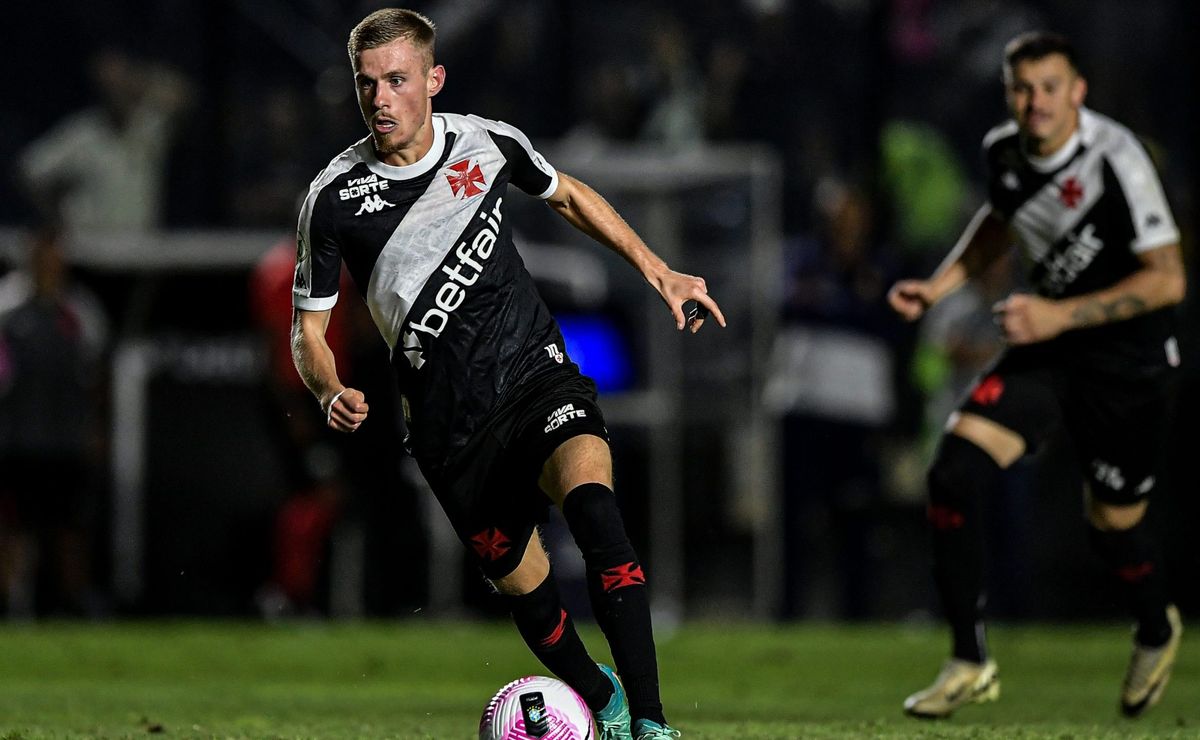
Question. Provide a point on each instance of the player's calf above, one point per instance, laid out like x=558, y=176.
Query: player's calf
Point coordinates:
x=617, y=587
x=550, y=634
x=960, y=479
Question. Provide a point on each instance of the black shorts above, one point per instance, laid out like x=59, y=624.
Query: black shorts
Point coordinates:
x=489, y=490
x=1118, y=426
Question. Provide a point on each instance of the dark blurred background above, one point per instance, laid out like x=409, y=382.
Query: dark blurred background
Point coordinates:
x=799, y=155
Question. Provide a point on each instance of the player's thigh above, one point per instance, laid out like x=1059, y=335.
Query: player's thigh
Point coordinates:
x=1120, y=429
x=1000, y=443
x=494, y=513
x=564, y=438
x=1011, y=409
x=1112, y=517
x=582, y=459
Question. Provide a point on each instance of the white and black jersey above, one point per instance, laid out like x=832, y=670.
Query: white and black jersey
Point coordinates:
x=1082, y=216
x=430, y=248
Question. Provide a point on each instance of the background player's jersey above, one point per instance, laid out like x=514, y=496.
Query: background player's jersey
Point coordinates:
x=1082, y=216
x=430, y=248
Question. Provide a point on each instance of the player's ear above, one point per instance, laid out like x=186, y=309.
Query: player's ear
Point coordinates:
x=435, y=79
x=1078, y=91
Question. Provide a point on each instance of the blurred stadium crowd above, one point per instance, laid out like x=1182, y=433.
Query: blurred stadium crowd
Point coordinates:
x=127, y=120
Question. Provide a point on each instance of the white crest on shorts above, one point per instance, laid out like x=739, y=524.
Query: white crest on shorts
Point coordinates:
x=1108, y=474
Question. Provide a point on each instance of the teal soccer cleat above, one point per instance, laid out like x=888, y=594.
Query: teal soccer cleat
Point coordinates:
x=645, y=729
x=612, y=722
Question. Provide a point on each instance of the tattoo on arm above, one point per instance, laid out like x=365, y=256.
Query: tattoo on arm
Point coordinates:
x=1097, y=312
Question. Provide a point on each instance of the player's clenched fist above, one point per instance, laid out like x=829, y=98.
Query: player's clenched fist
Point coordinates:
x=1026, y=318
x=347, y=410
x=911, y=298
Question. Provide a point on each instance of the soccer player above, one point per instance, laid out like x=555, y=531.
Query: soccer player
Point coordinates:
x=501, y=421
x=1090, y=348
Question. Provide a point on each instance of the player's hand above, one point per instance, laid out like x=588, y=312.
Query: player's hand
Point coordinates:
x=346, y=410
x=911, y=298
x=677, y=289
x=1025, y=318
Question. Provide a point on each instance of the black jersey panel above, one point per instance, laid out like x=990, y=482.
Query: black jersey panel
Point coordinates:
x=527, y=174
x=322, y=244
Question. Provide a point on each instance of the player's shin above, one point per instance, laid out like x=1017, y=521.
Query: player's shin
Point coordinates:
x=1132, y=556
x=550, y=634
x=960, y=479
x=617, y=587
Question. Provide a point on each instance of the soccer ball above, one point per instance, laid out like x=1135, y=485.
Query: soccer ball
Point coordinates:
x=536, y=708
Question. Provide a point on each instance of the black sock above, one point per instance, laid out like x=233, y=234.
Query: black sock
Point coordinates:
x=550, y=634
x=1132, y=556
x=617, y=588
x=961, y=477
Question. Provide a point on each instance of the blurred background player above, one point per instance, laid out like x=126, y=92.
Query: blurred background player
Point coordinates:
x=1091, y=348
x=833, y=383
x=104, y=168
x=52, y=337
x=501, y=421
x=316, y=494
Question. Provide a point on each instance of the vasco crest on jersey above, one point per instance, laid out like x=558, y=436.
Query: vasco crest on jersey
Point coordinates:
x=466, y=179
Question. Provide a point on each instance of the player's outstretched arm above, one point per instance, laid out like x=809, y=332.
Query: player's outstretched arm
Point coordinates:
x=587, y=211
x=345, y=408
x=1160, y=282
x=985, y=238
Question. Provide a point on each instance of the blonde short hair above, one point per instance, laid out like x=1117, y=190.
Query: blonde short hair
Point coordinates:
x=388, y=24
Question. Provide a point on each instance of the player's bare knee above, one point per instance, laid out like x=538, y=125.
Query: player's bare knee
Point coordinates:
x=1111, y=517
x=511, y=576
x=528, y=575
x=1002, y=444
x=581, y=459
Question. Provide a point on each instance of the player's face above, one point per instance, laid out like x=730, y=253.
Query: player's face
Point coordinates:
x=1045, y=96
x=394, y=88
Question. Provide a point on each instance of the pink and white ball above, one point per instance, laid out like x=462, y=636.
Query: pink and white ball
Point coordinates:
x=536, y=708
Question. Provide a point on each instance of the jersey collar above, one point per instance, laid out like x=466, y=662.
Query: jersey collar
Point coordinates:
x=416, y=169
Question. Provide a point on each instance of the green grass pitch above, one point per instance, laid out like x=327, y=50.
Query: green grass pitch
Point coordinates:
x=419, y=679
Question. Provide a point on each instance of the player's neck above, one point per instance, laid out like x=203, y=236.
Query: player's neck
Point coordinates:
x=1048, y=148
x=1056, y=156
x=414, y=151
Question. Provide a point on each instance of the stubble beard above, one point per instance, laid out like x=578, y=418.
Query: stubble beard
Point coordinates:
x=385, y=144
x=1032, y=145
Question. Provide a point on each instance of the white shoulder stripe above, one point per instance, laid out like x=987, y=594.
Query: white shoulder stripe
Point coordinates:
x=302, y=287
x=517, y=135
x=1003, y=131
x=340, y=164
x=1153, y=224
